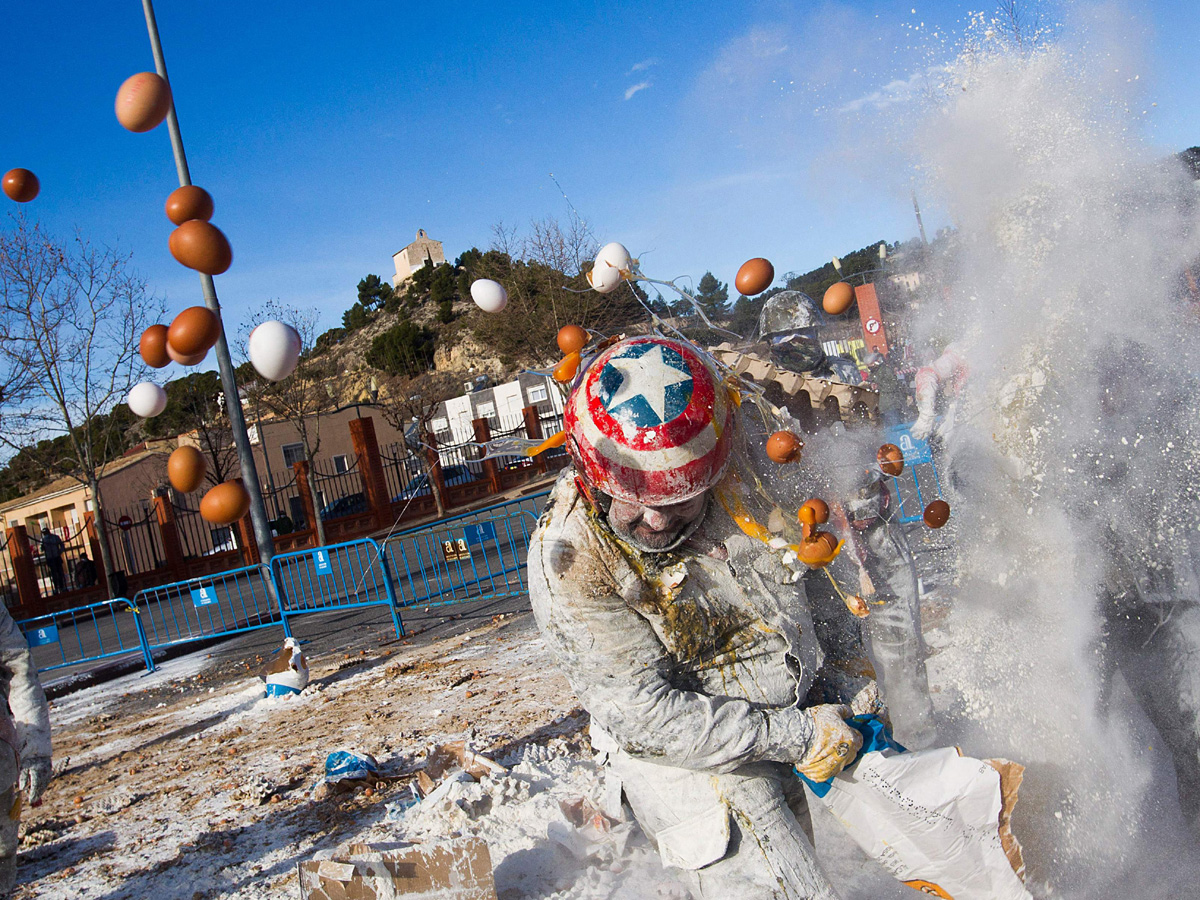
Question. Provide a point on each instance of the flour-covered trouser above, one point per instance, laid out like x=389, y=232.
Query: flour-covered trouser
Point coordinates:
x=1157, y=649
x=745, y=834
x=894, y=629
x=10, y=817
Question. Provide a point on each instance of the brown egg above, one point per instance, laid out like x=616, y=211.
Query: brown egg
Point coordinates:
x=185, y=469
x=225, y=503
x=784, y=447
x=572, y=339
x=937, y=514
x=818, y=550
x=21, y=185
x=201, y=246
x=838, y=298
x=891, y=459
x=189, y=202
x=143, y=101
x=153, y=346
x=814, y=512
x=754, y=277
x=194, y=331
x=193, y=360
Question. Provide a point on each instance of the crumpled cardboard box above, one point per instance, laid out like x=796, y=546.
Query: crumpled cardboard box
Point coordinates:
x=451, y=870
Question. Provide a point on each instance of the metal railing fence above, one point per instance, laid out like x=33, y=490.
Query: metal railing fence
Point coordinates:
x=215, y=605
x=338, y=576
x=89, y=633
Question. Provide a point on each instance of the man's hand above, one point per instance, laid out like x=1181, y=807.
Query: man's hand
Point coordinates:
x=869, y=702
x=834, y=743
x=923, y=427
x=35, y=775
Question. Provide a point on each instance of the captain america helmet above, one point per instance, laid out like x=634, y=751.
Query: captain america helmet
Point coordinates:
x=650, y=422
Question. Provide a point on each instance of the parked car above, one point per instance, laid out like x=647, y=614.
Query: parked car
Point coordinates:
x=344, y=506
x=419, y=486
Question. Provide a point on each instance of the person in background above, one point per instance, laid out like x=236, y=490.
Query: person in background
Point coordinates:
x=84, y=572
x=52, y=550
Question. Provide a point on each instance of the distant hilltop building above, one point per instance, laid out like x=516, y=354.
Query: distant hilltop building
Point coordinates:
x=414, y=256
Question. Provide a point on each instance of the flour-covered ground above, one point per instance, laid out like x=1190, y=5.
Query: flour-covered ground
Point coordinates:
x=190, y=784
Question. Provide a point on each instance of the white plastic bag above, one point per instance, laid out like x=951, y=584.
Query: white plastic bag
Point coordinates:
x=937, y=820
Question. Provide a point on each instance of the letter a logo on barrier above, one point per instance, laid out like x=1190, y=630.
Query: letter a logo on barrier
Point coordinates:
x=323, y=566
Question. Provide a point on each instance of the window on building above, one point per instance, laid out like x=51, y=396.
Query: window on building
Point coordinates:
x=341, y=464
x=537, y=393
x=222, y=538
x=439, y=425
x=485, y=410
x=292, y=454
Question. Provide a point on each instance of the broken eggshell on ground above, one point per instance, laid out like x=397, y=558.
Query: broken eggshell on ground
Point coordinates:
x=287, y=672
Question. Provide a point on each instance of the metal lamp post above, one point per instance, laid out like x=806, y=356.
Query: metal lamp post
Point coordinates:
x=237, y=421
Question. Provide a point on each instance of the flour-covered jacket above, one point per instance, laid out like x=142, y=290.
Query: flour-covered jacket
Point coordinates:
x=25, y=720
x=699, y=658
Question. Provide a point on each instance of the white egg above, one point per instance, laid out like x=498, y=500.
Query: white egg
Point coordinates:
x=147, y=399
x=490, y=296
x=604, y=278
x=615, y=255
x=274, y=349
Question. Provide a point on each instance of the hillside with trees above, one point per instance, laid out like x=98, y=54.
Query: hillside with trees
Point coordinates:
x=395, y=345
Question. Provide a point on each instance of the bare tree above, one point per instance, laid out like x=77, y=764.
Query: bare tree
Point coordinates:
x=305, y=396
x=504, y=239
x=543, y=274
x=196, y=412
x=72, y=315
x=563, y=249
x=406, y=401
x=214, y=437
x=1021, y=22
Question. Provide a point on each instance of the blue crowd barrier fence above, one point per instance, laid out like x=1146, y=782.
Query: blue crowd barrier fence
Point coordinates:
x=337, y=576
x=530, y=506
x=462, y=561
x=86, y=634
x=216, y=605
x=471, y=556
x=919, y=483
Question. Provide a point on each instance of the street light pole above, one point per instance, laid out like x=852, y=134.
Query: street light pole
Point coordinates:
x=237, y=421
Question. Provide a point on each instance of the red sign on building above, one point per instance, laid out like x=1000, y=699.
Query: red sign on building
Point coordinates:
x=872, y=318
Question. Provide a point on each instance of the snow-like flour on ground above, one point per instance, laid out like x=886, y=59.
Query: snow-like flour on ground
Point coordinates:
x=189, y=783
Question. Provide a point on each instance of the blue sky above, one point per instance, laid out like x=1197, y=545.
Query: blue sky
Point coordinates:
x=698, y=134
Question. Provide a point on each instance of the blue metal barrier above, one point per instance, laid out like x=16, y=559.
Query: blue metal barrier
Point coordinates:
x=470, y=556
x=86, y=634
x=457, y=561
x=211, y=606
x=337, y=576
x=532, y=505
x=919, y=483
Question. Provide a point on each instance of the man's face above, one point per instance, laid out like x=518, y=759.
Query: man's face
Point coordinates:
x=653, y=529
